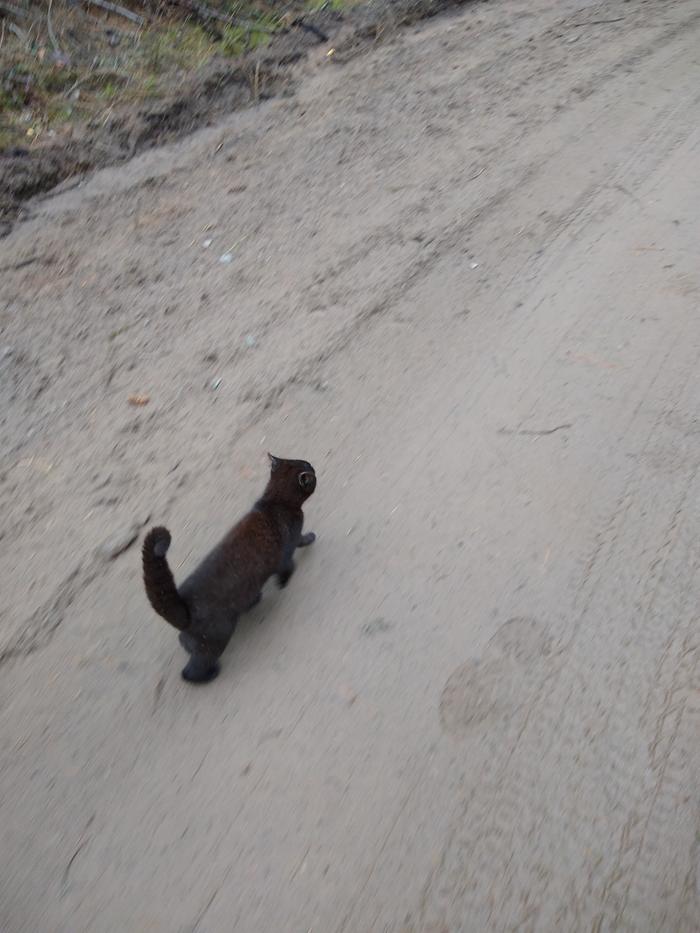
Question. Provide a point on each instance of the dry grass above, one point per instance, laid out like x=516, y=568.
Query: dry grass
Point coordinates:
x=69, y=65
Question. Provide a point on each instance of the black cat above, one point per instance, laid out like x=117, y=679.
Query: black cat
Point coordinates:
x=229, y=580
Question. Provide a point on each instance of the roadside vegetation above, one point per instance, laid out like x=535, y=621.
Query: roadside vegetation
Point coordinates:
x=88, y=83
x=69, y=62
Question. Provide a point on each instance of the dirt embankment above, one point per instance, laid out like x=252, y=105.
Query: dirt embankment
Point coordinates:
x=128, y=82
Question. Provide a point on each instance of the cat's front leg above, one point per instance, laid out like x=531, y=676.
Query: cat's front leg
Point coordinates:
x=307, y=539
x=285, y=574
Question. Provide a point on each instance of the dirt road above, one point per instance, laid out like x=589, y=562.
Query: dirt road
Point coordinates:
x=463, y=282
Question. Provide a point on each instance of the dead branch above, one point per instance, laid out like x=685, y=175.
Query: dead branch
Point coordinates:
x=597, y=22
x=117, y=10
x=300, y=23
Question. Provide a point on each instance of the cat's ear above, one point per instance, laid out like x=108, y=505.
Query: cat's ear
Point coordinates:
x=274, y=462
x=307, y=481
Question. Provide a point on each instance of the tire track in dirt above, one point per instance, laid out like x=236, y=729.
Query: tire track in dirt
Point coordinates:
x=550, y=699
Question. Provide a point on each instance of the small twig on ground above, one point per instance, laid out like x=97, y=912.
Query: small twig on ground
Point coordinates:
x=81, y=843
x=597, y=22
x=530, y=433
x=256, y=87
x=20, y=33
x=73, y=857
x=118, y=10
x=52, y=34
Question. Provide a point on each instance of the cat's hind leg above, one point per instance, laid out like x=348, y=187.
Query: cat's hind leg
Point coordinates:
x=187, y=642
x=205, y=645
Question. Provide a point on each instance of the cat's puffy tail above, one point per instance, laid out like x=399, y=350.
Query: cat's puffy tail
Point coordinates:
x=160, y=585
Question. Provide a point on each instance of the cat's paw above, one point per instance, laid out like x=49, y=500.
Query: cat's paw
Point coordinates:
x=307, y=539
x=200, y=670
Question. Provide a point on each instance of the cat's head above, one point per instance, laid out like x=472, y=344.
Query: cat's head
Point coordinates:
x=293, y=479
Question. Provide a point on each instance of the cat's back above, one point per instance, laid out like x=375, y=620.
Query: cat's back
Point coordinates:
x=247, y=555
x=256, y=538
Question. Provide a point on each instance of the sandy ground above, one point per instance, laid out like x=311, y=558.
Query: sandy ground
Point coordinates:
x=464, y=284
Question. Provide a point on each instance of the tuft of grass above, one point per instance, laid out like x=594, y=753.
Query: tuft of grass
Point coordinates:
x=238, y=39
x=33, y=98
x=177, y=47
x=150, y=86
